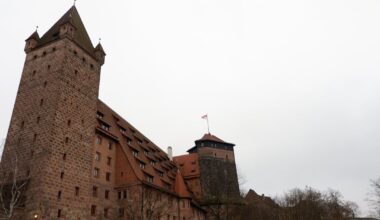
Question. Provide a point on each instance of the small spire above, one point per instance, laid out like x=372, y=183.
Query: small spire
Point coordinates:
x=100, y=40
x=74, y=2
x=36, y=28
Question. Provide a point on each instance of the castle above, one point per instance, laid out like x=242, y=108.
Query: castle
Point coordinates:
x=76, y=158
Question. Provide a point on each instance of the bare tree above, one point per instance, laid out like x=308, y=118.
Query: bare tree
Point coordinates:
x=148, y=205
x=12, y=185
x=374, y=197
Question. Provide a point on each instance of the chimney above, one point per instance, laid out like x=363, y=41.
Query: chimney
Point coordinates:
x=170, y=153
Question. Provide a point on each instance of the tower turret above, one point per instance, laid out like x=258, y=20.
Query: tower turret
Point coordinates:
x=31, y=42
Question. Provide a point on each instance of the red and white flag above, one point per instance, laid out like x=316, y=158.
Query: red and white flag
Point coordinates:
x=204, y=116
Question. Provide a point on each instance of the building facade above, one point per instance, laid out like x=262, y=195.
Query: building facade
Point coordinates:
x=76, y=158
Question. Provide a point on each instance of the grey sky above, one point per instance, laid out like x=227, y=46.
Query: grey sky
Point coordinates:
x=294, y=84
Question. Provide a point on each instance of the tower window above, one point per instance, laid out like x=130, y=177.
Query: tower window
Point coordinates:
x=94, y=191
x=22, y=124
x=121, y=212
x=41, y=102
x=92, y=66
x=84, y=60
x=98, y=140
x=53, y=49
x=108, y=176
x=96, y=172
x=44, y=53
x=45, y=84
x=35, y=138
x=97, y=156
x=106, y=194
x=109, y=160
x=62, y=175
x=69, y=123
x=76, y=72
x=48, y=67
x=59, y=195
x=76, y=191
x=59, y=214
x=66, y=140
x=38, y=120
x=93, y=210
x=64, y=156
x=105, y=212
x=110, y=145
x=75, y=52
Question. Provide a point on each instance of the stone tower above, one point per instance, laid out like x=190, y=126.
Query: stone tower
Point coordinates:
x=50, y=137
x=210, y=171
x=218, y=179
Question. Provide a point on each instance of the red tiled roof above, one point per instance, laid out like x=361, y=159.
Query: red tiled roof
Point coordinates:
x=115, y=122
x=188, y=164
x=180, y=186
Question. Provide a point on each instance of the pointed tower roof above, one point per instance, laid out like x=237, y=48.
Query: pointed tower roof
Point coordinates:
x=80, y=37
x=34, y=36
x=99, y=48
x=210, y=137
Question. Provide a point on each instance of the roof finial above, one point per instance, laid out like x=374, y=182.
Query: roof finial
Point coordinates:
x=36, y=28
x=100, y=40
x=75, y=2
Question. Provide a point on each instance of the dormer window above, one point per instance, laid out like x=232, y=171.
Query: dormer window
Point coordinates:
x=139, y=141
x=99, y=115
x=153, y=163
x=149, y=179
x=135, y=153
x=146, y=152
x=129, y=141
x=105, y=126
x=161, y=174
x=142, y=165
x=122, y=130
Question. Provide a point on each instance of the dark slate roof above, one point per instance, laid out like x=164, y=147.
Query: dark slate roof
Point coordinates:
x=80, y=37
x=34, y=36
x=210, y=137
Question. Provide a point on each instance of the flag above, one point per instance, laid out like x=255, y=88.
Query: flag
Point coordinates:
x=205, y=116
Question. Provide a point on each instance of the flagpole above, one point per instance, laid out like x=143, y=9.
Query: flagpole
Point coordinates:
x=208, y=125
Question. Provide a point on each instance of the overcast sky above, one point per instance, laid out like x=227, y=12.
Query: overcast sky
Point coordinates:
x=293, y=83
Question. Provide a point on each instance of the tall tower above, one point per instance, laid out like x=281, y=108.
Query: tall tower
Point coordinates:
x=210, y=171
x=50, y=137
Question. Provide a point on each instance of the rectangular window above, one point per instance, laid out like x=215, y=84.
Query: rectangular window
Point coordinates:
x=98, y=140
x=106, y=194
x=95, y=191
x=96, y=172
x=153, y=163
x=108, y=176
x=106, y=212
x=93, y=210
x=59, y=214
x=76, y=191
x=121, y=212
x=110, y=144
x=135, y=153
x=109, y=161
x=59, y=195
x=97, y=156
x=125, y=194
x=146, y=152
x=119, y=195
x=142, y=165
